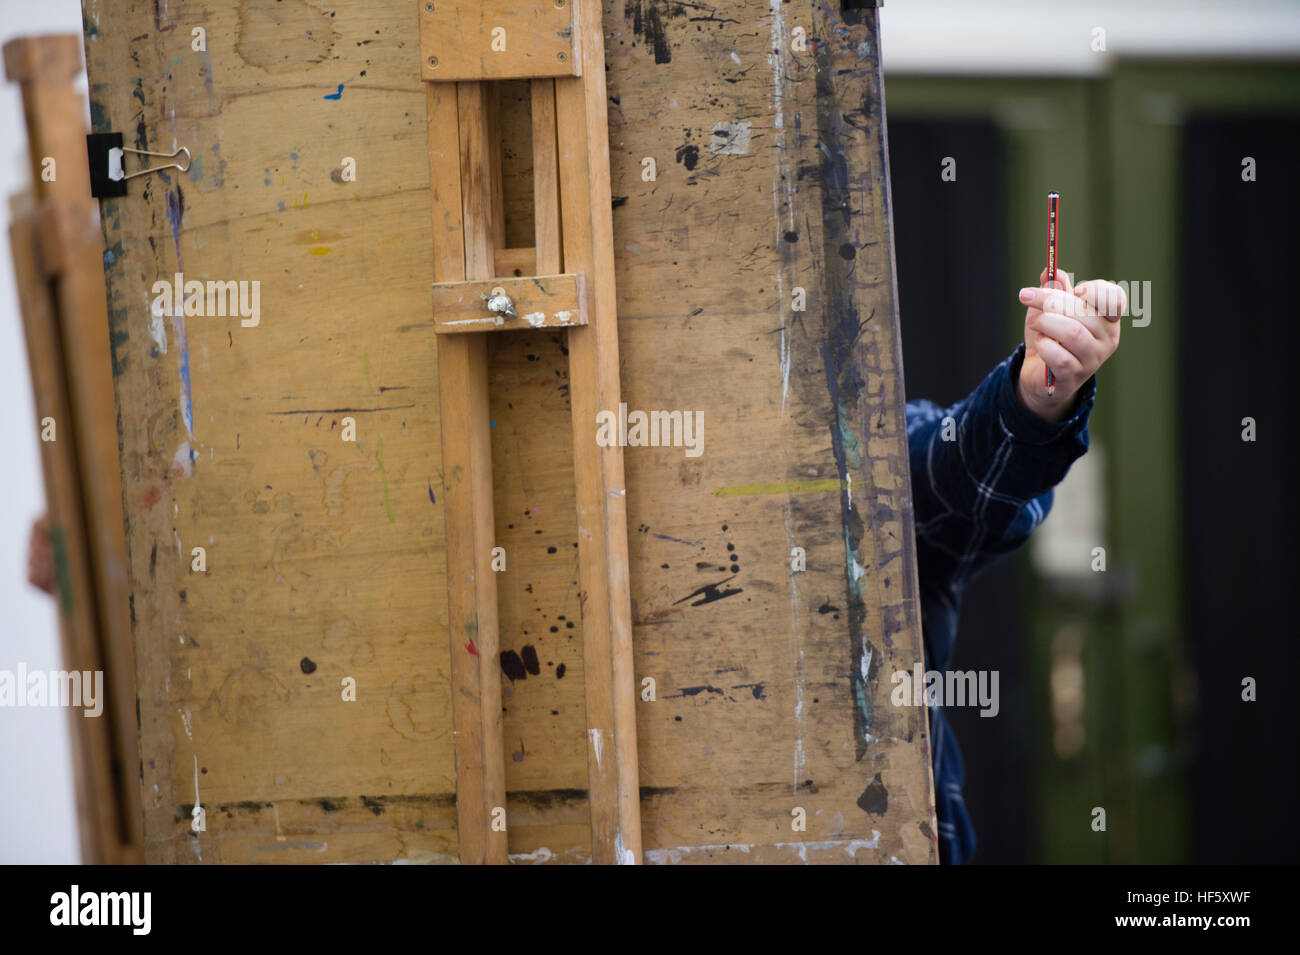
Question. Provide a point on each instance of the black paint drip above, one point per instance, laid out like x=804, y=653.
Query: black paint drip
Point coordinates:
x=512, y=666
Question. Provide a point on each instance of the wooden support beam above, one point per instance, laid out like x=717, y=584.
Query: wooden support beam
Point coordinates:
x=588, y=247
x=462, y=248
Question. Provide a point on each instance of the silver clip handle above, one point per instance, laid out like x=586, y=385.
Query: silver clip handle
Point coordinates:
x=170, y=165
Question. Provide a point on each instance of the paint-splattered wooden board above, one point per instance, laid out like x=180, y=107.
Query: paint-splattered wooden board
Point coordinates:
x=324, y=558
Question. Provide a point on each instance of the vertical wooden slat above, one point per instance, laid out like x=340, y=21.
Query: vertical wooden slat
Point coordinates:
x=477, y=185
x=491, y=93
x=74, y=590
x=588, y=229
x=546, y=183
x=463, y=250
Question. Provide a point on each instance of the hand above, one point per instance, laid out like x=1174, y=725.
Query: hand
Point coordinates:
x=1070, y=330
x=40, y=559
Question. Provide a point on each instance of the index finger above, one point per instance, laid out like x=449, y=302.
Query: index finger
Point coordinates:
x=1062, y=280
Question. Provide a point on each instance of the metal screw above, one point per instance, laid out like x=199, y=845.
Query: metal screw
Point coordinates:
x=559, y=3
x=563, y=57
x=433, y=61
x=428, y=8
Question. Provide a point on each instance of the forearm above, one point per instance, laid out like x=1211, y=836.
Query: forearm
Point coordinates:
x=978, y=465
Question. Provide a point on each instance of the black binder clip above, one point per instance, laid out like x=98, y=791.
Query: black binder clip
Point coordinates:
x=107, y=175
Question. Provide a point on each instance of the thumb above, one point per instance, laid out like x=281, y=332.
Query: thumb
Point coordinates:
x=1062, y=280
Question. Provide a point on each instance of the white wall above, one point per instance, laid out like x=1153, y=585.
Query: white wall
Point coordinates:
x=37, y=812
x=1054, y=37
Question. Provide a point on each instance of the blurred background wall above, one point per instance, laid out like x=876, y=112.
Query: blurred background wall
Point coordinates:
x=1120, y=689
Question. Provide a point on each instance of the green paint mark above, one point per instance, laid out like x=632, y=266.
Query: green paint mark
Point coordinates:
x=365, y=363
x=383, y=476
x=62, y=579
x=792, y=487
x=852, y=444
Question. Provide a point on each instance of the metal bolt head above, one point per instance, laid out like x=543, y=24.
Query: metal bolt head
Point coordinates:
x=559, y=3
x=428, y=7
x=563, y=57
x=433, y=61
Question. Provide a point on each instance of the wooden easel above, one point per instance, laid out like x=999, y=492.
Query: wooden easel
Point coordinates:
x=58, y=262
x=558, y=47
x=771, y=580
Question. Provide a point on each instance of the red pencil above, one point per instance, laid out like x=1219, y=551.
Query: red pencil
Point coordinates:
x=1053, y=233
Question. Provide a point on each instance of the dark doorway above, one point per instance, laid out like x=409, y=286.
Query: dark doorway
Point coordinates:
x=1238, y=346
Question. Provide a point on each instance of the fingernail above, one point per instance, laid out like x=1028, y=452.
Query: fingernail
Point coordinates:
x=1026, y=295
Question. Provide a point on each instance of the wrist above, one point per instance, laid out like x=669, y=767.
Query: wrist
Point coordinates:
x=1052, y=409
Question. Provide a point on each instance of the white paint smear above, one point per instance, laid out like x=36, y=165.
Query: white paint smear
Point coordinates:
x=851, y=846
x=730, y=139
x=538, y=856
x=157, y=326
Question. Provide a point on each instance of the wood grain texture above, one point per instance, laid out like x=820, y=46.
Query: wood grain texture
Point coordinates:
x=771, y=687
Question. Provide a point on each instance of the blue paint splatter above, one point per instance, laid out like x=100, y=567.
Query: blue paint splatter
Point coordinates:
x=338, y=95
x=492, y=424
x=432, y=499
x=175, y=213
x=187, y=406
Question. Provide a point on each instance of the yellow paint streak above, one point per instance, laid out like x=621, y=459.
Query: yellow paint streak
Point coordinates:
x=792, y=487
x=319, y=250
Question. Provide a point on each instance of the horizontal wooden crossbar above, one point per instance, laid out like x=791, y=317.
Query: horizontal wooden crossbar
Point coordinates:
x=498, y=40
x=542, y=301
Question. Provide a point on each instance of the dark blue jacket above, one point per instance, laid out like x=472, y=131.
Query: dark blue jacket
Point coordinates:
x=976, y=498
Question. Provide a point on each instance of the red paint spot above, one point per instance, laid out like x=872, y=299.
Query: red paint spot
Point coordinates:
x=150, y=498
x=473, y=650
